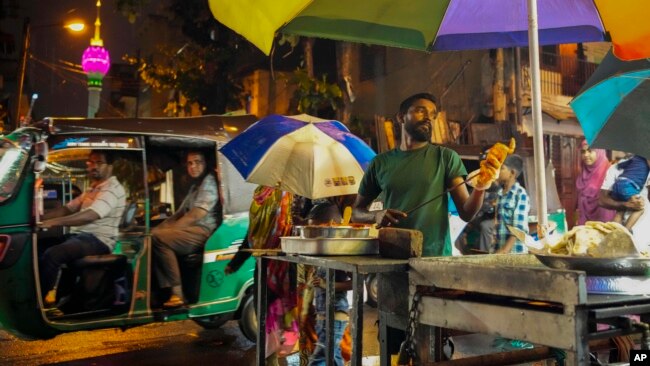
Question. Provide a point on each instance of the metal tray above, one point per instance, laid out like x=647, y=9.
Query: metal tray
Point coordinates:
x=624, y=266
x=315, y=231
x=329, y=246
x=618, y=285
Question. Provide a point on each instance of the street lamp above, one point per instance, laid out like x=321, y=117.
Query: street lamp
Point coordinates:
x=75, y=26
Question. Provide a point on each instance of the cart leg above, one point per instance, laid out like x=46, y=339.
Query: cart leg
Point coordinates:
x=388, y=323
x=384, y=355
x=356, y=319
x=329, y=318
x=262, y=306
x=581, y=354
x=426, y=344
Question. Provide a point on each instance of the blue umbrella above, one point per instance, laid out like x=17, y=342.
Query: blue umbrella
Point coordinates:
x=305, y=155
x=613, y=107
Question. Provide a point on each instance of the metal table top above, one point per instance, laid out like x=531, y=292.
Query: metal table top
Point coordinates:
x=356, y=264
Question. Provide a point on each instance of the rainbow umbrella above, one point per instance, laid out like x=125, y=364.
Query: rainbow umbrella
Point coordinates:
x=442, y=25
x=305, y=155
x=438, y=25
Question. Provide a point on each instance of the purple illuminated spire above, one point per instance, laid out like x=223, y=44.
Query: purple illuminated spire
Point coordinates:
x=95, y=60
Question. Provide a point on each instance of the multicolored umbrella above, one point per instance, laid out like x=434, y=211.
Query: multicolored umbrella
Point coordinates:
x=462, y=24
x=613, y=107
x=305, y=155
x=442, y=25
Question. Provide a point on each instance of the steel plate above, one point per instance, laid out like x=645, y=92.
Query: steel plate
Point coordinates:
x=330, y=246
x=624, y=266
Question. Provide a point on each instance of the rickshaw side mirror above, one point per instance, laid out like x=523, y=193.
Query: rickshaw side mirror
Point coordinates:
x=40, y=156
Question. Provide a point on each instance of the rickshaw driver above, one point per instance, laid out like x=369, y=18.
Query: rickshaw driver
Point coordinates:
x=94, y=217
x=187, y=230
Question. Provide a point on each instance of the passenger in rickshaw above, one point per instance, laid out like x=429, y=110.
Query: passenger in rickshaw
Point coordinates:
x=94, y=217
x=187, y=230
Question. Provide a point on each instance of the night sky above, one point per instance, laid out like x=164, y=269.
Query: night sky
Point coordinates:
x=62, y=92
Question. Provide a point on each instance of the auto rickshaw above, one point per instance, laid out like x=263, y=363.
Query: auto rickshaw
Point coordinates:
x=42, y=167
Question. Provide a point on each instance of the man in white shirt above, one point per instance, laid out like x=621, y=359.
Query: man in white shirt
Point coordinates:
x=94, y=217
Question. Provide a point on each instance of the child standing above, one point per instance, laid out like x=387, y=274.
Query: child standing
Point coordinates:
x=325, y=212
x=513, y=207
x=343, y=283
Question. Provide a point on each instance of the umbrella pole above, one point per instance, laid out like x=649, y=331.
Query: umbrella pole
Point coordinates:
x=538, y=133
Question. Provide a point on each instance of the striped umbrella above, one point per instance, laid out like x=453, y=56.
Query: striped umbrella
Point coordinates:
x=442, y=25
x=613, y=106
x=439, y=25
x=302, y=154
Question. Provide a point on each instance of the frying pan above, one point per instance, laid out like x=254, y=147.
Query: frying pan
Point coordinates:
x=621, y=266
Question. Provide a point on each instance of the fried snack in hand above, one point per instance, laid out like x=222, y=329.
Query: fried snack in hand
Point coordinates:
x=491, y=165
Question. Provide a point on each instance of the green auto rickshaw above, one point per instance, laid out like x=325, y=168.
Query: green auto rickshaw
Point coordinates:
x=42, y=167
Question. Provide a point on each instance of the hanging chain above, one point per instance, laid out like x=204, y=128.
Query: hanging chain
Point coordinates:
x=407, y=354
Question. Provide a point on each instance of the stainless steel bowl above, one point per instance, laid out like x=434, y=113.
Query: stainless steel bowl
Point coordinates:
x=314, y=231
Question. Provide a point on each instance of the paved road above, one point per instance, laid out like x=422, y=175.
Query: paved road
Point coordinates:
x=176, y=343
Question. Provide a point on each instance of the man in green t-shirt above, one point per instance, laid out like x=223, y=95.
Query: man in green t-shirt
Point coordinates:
x=415, y=172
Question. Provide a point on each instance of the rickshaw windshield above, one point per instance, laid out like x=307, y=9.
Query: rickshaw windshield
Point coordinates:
x=12, y=162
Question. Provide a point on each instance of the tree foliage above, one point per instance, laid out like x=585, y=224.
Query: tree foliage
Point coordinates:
x=314, y=95
x=208, y=69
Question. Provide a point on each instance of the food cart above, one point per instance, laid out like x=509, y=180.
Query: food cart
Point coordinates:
x=555, y=305
x=357, y=265
x=516, y=296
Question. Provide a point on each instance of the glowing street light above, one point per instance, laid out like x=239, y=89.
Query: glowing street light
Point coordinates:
x=27, y=34
x=75, y=27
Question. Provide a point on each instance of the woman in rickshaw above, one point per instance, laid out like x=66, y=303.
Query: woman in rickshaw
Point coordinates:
x=187, y=230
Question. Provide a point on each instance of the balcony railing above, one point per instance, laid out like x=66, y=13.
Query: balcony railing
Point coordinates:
x=564, y=75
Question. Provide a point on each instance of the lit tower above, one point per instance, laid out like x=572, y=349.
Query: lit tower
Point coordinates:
x=95, y=63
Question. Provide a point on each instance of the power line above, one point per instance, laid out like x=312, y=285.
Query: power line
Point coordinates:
x=56, y=69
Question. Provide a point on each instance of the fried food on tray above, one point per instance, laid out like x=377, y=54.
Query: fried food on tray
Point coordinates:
x=595, y=239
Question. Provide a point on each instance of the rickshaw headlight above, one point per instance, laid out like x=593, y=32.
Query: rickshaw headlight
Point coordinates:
x=4, y=246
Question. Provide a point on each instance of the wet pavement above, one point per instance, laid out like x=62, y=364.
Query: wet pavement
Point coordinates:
x=181, y=343
x=177, y=343
x=160, y=344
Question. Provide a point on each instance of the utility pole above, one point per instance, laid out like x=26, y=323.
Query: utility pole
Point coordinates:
x=21, y=70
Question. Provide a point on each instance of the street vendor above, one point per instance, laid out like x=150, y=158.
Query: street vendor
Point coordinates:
x=416, y=171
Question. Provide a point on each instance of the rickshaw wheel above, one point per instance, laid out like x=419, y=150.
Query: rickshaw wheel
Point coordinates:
x=248, y=318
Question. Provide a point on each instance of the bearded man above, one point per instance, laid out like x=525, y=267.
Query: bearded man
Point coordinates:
x=415, y=172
